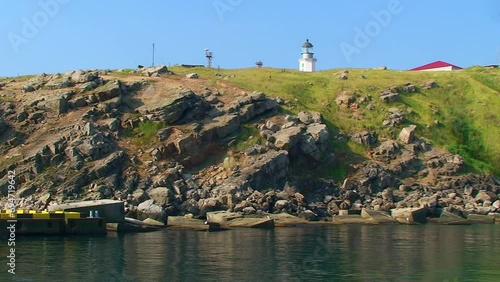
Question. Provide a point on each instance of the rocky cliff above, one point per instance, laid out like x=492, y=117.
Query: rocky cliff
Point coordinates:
x=170, y=144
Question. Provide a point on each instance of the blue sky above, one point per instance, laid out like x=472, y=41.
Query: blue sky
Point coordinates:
x=59, y=35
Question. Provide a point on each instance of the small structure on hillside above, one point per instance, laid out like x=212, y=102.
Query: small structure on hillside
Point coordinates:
x=192, y=66
x=307, y=62
x=437, y=66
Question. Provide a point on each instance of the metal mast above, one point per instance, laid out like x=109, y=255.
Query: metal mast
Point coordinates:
x=209, y=56
x=153, y=54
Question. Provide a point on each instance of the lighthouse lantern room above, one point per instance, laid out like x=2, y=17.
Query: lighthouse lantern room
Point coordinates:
x=307, y=63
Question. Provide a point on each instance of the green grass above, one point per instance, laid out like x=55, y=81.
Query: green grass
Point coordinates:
x=247, y=137
x=466, y=104
x=145, y=133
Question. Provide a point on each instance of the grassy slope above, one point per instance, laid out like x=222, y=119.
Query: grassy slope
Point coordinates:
x=466, y=104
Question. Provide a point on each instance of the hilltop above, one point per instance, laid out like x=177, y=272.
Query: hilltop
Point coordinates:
x=188, y=140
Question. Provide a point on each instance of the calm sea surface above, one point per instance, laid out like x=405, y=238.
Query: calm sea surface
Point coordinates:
x=330, y=253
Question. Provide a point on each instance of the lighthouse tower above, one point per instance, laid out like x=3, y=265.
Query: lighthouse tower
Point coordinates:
x=307, y=63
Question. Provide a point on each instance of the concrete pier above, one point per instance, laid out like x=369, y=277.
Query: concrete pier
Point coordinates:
x=113, y=211
x=30, y=222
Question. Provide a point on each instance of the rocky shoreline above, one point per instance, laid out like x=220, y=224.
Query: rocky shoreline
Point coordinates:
x=68, y=137
x=224, y=220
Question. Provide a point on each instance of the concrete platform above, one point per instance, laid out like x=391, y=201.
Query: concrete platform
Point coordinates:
x=233, y=220
x=481, y=219
x=377, y=217
x=351, y=219
x=222, y=217
x=133, y=225
x=250, y=223
x=193, y=224
x=496, y=216
x=287, y=220
x=448, y=218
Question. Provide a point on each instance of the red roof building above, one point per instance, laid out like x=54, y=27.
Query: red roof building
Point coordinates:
x=437, y=66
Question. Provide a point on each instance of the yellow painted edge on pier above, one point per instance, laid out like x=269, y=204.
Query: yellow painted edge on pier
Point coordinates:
x=41, y=215
x=72, y=215
x=5, y=214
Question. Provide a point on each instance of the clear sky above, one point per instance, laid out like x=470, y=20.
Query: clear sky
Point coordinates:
x=59, y=35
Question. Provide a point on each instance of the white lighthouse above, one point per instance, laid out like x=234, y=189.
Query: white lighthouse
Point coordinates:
x=307, y=63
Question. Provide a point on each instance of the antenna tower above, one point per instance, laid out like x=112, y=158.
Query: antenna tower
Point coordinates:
x=209, y=56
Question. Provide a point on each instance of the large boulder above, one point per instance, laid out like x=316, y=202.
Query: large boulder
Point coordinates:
x=156, y=71
x=319, y=132
x=407, y=133
x=409, y=88
x=309, y=118
x=365, y=138
x=81, y=76
x=148, y=209
x=185, y=105
x=396, y=117
x=309, y=148
x=87, y=86
x=410, y=215
x=281, y=204
x=389, y=95
x=109, y=90
x=162, y=196
x=208, y=205
x=57, y=105
x=58, y=83
x=430, y=84
x=287, y=138
x=345, y=100
x=483, y=196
